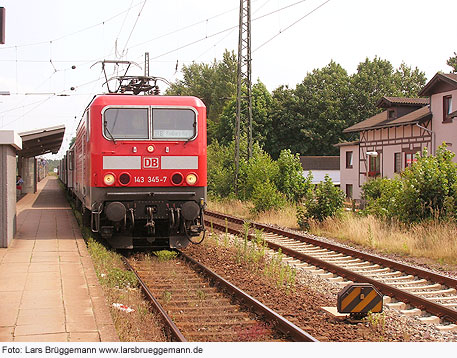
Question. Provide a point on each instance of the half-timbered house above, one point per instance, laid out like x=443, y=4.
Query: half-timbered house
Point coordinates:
x=389, y=140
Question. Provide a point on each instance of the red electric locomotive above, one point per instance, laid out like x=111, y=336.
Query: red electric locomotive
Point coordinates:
x=140, y=169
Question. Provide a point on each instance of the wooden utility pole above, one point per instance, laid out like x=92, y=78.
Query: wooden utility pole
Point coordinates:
x=243, y=81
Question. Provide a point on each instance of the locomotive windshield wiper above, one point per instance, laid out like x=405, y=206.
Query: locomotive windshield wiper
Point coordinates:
x=192, y=136
x=107, y=131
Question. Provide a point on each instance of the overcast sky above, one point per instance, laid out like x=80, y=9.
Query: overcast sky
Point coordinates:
x=45, y=38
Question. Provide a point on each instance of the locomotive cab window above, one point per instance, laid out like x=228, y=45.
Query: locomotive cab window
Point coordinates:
x=126, y=123
x=172, y=123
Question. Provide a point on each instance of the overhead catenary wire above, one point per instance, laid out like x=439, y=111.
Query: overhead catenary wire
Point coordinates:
x=236, y=26
x=288, y=27
x=73, y=33
x=133, y=28
x=144, y=42
x=32, y=109
x=223, y=38
x=207, y=36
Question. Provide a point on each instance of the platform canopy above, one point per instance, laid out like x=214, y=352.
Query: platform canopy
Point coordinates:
x=41, y=141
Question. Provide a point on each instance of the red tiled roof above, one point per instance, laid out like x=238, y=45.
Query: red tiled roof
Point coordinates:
x=380, y=120
x=386, y=102
x=416, y=116
x=374, y=121
x=449, y=80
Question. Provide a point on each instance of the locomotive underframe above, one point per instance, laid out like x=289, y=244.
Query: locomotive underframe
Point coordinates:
x=159, y=217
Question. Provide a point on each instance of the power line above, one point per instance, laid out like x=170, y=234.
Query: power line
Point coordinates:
x=23, y=115
x=133, y=28
x=71, y=34
x=233, y=27
x=222, y=39
x=294, y=23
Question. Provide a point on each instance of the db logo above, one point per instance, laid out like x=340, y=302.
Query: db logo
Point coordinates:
x=150, y=162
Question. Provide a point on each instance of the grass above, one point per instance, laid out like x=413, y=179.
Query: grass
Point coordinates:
x=166, y=255
x=120, y=286
x=252, y=254
x=432, y=239
x=285, y=217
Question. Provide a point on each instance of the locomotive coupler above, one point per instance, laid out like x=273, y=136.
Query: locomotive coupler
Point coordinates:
x=150, y=224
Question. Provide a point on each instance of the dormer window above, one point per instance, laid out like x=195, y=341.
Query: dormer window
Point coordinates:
x=391, y=114
x=447, y=108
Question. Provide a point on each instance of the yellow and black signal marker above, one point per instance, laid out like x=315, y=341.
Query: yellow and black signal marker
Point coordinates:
x=359, y=298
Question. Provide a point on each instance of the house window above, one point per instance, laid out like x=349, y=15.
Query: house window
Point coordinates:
x=397, y=162
x=391, y=114
x=349, y=191
x=374, y=168
x=447, y=108
x=349, y=159
x=410, y=158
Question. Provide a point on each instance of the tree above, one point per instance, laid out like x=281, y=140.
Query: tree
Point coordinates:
x=409, y=82
x=322, y=106
x=285, y=128
x=311, y=118
x=452, y=62
x=377, y=78
x=261, y=122
x=372, y=81
x=214, y=84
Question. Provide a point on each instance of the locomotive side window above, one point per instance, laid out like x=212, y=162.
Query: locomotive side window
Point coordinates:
x=172, y=123
x=126, y=123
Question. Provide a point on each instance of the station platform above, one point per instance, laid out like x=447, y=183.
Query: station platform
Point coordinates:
x=49, y=291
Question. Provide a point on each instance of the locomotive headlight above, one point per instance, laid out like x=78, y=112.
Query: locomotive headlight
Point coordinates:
x=108, y=179
x=150, y=148
x=191, y=179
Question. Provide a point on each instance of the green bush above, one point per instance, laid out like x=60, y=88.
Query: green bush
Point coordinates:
x=266, y=196
x=291, y=181
x=255, y=172
x=382, y=196
x=427, y=189
x=326, y=201
x=221, y=170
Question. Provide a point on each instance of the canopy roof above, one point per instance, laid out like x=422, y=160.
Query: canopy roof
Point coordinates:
x=41, y=141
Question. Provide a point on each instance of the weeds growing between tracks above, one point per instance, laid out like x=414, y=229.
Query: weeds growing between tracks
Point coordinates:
x=431, y=239
x=252, y=254
x=120, y=286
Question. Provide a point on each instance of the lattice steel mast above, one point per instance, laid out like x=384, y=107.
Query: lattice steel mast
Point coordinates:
x=243, y=80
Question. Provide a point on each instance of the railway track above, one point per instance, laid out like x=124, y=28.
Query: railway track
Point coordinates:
x=198, y=305
x=414, y=291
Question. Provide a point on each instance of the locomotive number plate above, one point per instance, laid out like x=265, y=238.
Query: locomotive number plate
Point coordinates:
x=150, y=162
x=148, y=179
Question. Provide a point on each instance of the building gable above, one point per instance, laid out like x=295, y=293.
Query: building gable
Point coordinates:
x=440, y=83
